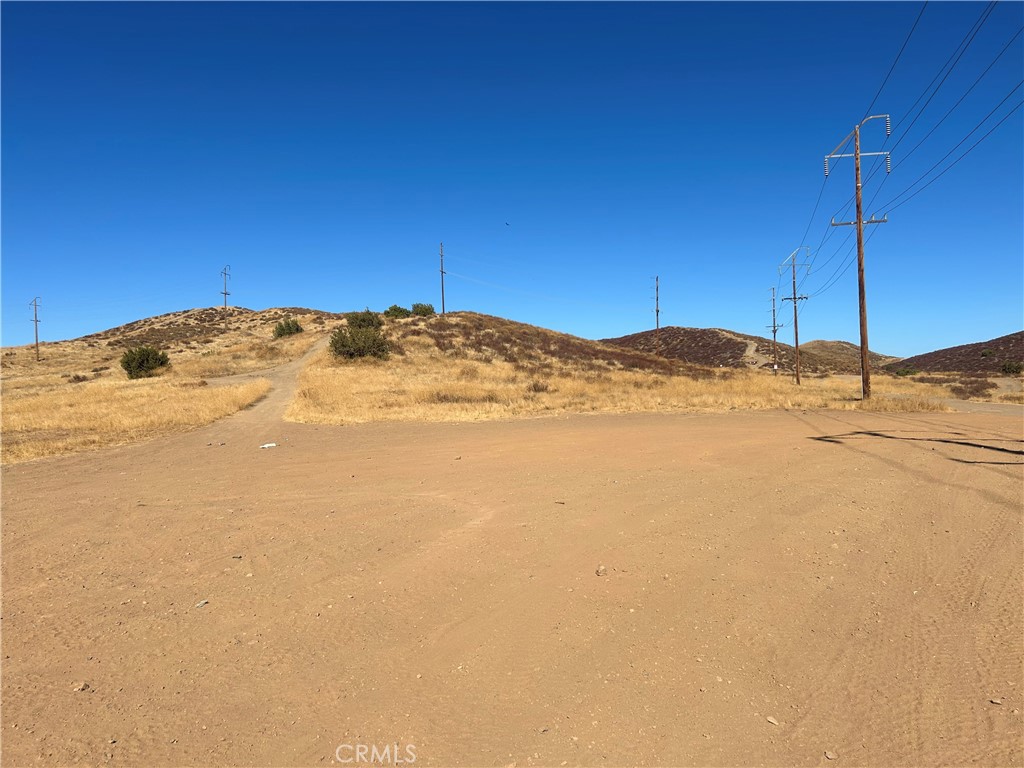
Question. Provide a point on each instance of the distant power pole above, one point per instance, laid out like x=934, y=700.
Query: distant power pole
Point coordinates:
x=865, y=370
x=226, y=273
x=35, y=319
x=794, y=298
x=775, y=346
x=657, y=305
x=657, y=315
x=442, y=278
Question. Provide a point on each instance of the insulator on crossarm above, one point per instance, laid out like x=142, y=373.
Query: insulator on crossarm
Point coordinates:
x=826, y=167
x=888, y=126
x=888, y=164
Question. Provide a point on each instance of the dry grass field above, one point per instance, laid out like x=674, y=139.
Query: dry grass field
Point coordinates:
x=78, y=397
x=468, y=367
x=58, y=420
x=463, y=366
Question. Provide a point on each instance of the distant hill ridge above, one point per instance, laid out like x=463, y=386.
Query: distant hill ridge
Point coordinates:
x=194, y=329
x=190, y=326
x=981, y=357
x=718, y=347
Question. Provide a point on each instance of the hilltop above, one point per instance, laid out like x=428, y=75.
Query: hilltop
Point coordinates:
x=720, y=348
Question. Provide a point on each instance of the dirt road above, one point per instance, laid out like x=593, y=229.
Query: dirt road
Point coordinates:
x=775, y=586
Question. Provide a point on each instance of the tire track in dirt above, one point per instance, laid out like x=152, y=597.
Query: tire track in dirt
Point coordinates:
x=928, y=634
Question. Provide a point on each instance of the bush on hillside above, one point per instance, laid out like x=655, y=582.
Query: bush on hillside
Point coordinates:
x=350, y=343
x=423, y=310
x=287, y=327
x=364, y=319
x=396, y=312
x=1012, y=368
x=140, y=362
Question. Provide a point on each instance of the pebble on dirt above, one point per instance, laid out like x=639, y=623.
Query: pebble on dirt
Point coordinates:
x=773, y=721
x=201, y=603
x=831, y=755
x=601, y=570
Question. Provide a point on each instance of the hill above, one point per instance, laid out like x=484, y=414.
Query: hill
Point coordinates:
x=720, y=348
x=983, y=357
x=208, y=341
x=470, y=334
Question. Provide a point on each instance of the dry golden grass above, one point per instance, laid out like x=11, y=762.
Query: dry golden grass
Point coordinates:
x=428, y=384
x=52, y=421
x=1012, y=397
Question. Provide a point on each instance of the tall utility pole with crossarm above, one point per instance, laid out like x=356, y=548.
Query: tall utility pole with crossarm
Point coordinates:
x=775, y=345
x=794, y=298
x=865, y=370
x=442, y=278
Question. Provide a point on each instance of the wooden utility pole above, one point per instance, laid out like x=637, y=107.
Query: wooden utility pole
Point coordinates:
x=657, y=305
x=865, y=369
x=775, y=346
x=442, y=278
x=226, y=273
x=35, y=319
x=794, y=298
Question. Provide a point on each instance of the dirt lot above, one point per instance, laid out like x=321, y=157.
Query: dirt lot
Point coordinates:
x=775, y=586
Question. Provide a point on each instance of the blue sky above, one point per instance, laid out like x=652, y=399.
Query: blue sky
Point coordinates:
x=565, y=154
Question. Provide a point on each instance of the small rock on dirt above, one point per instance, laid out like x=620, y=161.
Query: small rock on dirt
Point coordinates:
x=82, y=687
x=772, y=720
x=831, y=755
x=269, y=445
x=201, y=603
x=995, y=701
x=601, y=570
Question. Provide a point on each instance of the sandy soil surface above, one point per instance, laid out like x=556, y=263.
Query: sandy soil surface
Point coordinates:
x=734, y=589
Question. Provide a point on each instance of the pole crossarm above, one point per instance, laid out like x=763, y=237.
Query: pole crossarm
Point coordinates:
x=872, y=220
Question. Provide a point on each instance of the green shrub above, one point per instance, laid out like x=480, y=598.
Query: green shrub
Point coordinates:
x=287, y=327
x=140, y=362
x=350, y=343
x=906, y=372
x=364, y=319
x=396, y=312
x=423, y=310
x=1012, y=368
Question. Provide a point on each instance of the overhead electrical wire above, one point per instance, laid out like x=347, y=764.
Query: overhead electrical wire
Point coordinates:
x=944, y=73
x=947, y=168
x=824, y=182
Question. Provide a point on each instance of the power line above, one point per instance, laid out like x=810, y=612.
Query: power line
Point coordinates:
x=959, y=143
x=896, y=60
x=950, y=111
x=958, y=53
x=827, y=234
x=947, y=168
x=950, y=63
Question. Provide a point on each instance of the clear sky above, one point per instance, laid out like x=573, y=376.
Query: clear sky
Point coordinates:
x=566, y=153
